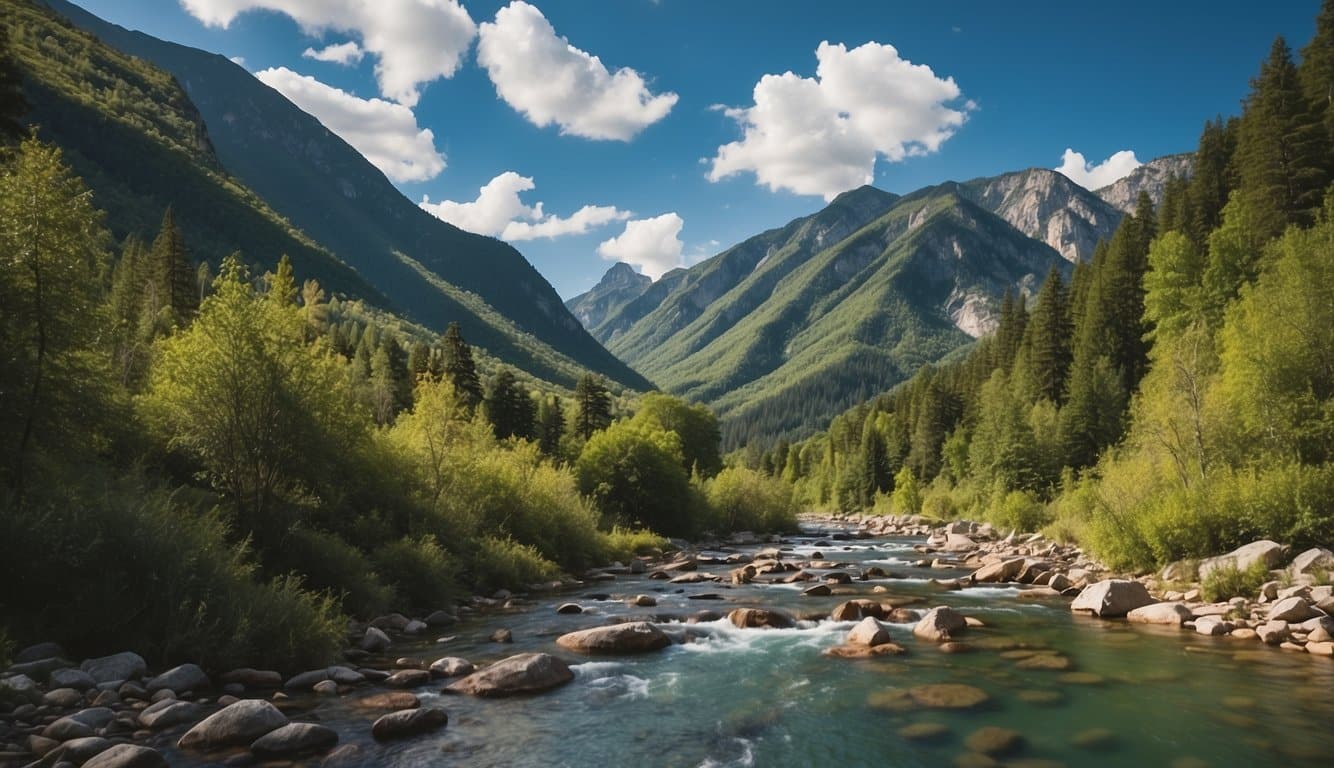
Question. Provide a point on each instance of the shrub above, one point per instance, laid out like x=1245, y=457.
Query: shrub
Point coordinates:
x=1020, y=511
x=129, y=567
x=907, y=496
x=623, y=544
x=420, y=570
x=746, y=499
x=634, y=475
x=1228, y=582
x=509, y=564
x=326, y=562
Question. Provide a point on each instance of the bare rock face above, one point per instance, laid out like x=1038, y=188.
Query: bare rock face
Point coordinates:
x=524, y=673
x=1112, y=598
x=635, y=637
x=1152, y=177
x=1047, y=206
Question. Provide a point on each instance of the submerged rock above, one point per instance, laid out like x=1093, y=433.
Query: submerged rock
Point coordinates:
x=635, y=637
x=524, y=673
x=948, y=696
x=994, y=741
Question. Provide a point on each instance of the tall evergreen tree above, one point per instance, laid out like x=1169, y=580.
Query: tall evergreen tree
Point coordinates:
x=1047, y=340
x=461, y=369
x=1211, y=180
x=593, y=404
x=1317, y=70
x=551, y=425
x=174, y=275
x=419, y=360
x=1282, y=149
x=1010, y=330
x=874, y=470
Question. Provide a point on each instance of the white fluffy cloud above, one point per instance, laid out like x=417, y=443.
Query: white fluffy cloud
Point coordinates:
x=821, y=135
x=384, y=133
x=1088, y=176
x=499, y=212
x=653, y=245
x=342, y=53
x=414, y=41
x=550, y=81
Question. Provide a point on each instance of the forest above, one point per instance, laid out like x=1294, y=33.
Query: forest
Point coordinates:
x=1174, y=400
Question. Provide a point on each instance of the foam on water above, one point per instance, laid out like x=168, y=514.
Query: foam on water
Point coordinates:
x=744, y=760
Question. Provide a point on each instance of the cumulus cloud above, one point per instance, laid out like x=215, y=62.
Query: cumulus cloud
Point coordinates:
x=414, y=41
x=499, y=212
x=1089, y=176
x=342, y=53
x=384, y=133
x=822, y=135
x=653, y=245
x=543, y=76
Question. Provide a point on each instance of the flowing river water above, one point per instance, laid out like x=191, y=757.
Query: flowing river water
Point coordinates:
x=1131, y=695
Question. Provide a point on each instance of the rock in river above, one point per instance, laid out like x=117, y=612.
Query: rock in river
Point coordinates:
x=295, y=739
x=868, y=632
x=1111, y=598
x=127, y=756
x=452, y=666
x=409, y=722
x=240, y=723
x=747, y=618
x=1172, y=614
x=634, y=637
x=524, y=673
x=939, y=624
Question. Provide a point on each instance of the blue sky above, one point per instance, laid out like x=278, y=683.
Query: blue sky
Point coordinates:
x=1029, y=80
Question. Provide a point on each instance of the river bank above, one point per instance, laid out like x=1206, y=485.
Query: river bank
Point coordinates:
x=733, y=653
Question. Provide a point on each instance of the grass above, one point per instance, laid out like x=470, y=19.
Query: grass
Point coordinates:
x=1227, y=582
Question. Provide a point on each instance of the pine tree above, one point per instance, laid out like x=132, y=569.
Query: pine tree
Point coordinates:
x=419, y=360
x=13, y=105
x=551, y=425
x=1009, y=330
x=174, y=275
x=509, y=407
x=132, y=331
x=1317, y=71
x=1047, y=341
x=874, y=470
x=1211, y=181
x=461, y=369
x=593, y=403
x=1282, y=149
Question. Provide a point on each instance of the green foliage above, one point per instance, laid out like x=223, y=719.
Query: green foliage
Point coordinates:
x=504, y=562
x=907, y=496
x=592, y=402
x=510, y=408
x=1019, y=511
x=624, y=544
x=461, y=369
x=635, y=476
x=745, y=499
x=332, y=565
x=1228, y=581
x=422, y=573
x=695, y=425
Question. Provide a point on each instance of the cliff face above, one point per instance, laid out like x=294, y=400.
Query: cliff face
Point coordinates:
x=1151, y=177
x=1047, y=206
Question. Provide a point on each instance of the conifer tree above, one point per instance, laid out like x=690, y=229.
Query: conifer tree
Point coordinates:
x=1282, y=149
x=509, y=408
x=131, y=331
x=593, y=403
x=1047, y=340
x=1317, y=70
x=874, y=470
x=174, y=275
x=1211, y=180
x=461, y=369
x=551, y=425
x=419, y=360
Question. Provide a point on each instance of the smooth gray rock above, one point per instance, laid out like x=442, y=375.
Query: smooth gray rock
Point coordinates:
x=71, y=678
x=240, y=723
x=1242, y=558
x=79, y=751
x=409, y=722
x=19, y=689
x=1313, y=561
x=452, y=666
x=40, y=651
x=165, y=714
x=1292, y=610
x=524, y=673
x=295, y=739
x=118, y=666
x=127, y=756
x=375, y=640
x=1171, y=614
x=1112, y=598
x=186, y=677
x=633, y=637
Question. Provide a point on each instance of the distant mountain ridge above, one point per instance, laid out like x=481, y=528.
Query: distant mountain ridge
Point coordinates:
x=618, y=287
x=1151, y=177
x=422, y=267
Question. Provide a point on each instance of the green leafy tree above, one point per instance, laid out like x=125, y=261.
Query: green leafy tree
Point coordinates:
x=696, y=425
x=634, y=474
x=592, y=402
x=53, y=260
x=461, y=369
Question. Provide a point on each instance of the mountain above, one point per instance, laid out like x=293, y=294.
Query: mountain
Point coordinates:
x=620, y=286
x=792, y=326
x=1151, y=177
x=424, y=268
x=1047, y=206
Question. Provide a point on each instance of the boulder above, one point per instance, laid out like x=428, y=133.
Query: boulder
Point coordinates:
x=635, y=637
x=1264, y=551
x=643, y=601
x=939, y=624
x=1111, y=598
x=295, y=739
x=63, y=698
x=440, y=619
x=524, y=673
x=1292, y=610
x=948, y=696
x=765, y=618
x=79, y=751
x=375, y=640
x=67, y=728
x=118, y=666
x=415, y=627
x=186, y=677
x=819, y=590
x=452, y=666
x=70, y=678
x=1312, y=561
x=19, y=689
x=408, y=722
x=237, y=724
x=325, y=688
x=869, y=632
x=38, y=652
x=996, y=573
x=957, y=542
x=569, y=608
x=127, y=756
x=1272, y=632
x=166, y=713
x=1171, y=614
x=1213, y=626
x=408, y=678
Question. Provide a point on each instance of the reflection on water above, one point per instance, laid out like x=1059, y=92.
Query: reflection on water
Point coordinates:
x=1080, y=691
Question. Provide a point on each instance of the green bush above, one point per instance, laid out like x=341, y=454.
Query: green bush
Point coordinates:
x=743, y=499
x=509, y=564
x=421, y=571
x=623, y=544
x=328, y=563
x=634, y=474
x=1228, y=582
x=129, y=568
x=1020, y=511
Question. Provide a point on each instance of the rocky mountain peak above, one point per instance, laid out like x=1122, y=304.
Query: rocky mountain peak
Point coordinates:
x=1152, y=177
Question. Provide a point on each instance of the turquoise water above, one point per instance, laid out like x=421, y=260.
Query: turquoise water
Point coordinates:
x=769, y=698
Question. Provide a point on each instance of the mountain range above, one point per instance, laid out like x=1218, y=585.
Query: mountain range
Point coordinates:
x=325, y=205
x=794, y=325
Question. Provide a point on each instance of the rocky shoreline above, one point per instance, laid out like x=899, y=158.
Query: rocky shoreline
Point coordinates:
x=109, y=712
